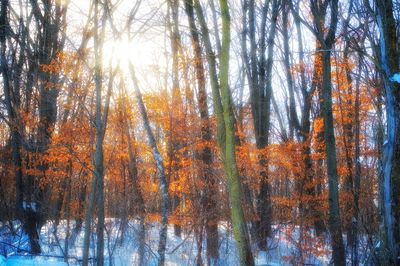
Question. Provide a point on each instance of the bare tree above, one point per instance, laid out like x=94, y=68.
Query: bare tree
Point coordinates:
x=327, y=40
x=259, y=75
x=389, y=61
x=225, y=126
x=100, y=124
x=208, y=201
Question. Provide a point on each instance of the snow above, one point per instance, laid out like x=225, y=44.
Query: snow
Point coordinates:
x=33, y=261
x=29, y=205
x=180, y=250
x=395, y=78
x=2, y=261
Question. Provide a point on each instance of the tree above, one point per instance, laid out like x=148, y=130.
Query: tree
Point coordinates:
x=302, y=132
x=160, y=168
x=259, y=75
x=41, y=50
x=100, y=124
x=319, y=9
x=225, y=127
x=389, y=61
x=208, y=201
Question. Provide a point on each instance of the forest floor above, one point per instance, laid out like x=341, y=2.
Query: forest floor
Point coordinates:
x=180, y=250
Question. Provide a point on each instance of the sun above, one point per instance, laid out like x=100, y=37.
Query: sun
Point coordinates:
x=118, y=53
x=143, y=54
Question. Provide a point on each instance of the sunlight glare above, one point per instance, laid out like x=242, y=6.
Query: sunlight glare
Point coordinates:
x=118, y=51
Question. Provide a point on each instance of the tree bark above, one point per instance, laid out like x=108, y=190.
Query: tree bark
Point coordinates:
x=209, y=203
x=234, y=186
x=259, y=75
x=160, y=168
x=100, y=123
x=318, y=10
x=225, y=127
x=391, y=149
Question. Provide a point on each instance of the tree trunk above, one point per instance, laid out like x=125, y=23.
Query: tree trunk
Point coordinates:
x=391, y=148
x=137, y=197
x=225, y=127
x=176, y=108
x=357, y=171
x=331, y=161
x=100, y=123
x=305, y=127
x=327, y=42
x=160, y=168
x=259, y=75
x=234, y=186
x=209, y=209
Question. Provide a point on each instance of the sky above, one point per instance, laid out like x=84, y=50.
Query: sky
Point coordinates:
x=150, y=49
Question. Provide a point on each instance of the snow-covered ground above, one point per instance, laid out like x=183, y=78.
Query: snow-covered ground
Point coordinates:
x=180, y=250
